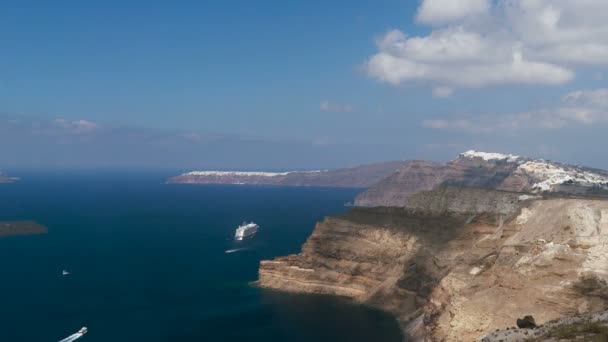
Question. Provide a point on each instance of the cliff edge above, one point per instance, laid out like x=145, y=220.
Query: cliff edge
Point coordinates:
x=458, y=263
x=485, y=170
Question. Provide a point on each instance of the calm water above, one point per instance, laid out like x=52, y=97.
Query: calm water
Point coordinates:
x=148, y=263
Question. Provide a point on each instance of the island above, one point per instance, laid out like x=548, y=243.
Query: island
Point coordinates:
x=14, y=228
x=4, y=178
x=361, y=176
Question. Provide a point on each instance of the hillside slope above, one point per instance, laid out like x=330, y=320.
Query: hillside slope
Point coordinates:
x=485, y=170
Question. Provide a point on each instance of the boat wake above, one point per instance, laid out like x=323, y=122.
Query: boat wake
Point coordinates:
x=75, y=336
x=72, y=337
x=229, y=251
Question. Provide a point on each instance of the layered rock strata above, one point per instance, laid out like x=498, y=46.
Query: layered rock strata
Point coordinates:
x=485, y=170
x=459, y=262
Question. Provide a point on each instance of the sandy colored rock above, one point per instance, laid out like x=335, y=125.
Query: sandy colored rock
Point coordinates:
x=476, y=262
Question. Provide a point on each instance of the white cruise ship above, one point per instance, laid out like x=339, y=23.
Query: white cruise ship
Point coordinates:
x=246, y=230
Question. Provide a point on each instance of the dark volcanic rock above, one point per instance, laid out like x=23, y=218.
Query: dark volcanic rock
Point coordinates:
x=465, y=200
x=526, y=323
x=415, y=176
x=487, y=171
x=419, y=176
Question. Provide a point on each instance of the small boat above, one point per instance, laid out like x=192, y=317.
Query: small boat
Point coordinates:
x=65, y=273
x=246, y=230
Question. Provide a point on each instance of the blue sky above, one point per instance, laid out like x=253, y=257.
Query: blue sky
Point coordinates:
x=340, y=82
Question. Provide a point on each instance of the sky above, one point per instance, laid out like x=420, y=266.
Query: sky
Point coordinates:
x=268, y=85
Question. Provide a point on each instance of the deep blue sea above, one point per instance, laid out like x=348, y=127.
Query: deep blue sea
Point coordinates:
x=148, y=262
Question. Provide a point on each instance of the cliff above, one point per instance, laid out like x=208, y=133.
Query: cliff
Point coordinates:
x=357, y=177
x=485, y=170
x=459, y=263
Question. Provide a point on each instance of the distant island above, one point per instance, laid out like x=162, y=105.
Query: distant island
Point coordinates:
x=356, y=177
x=14, y=228
x=4, y=178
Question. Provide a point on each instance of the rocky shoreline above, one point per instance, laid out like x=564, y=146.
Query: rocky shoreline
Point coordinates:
x=460, y=262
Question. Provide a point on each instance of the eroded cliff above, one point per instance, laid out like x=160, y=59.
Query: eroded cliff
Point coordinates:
x=485, y=170
x=460, y=262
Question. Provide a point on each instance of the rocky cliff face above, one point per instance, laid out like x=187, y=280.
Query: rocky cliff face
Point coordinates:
x=485, y=170
x=356, y=177
x=450, y=199
x=394, y=190
x=458, y=263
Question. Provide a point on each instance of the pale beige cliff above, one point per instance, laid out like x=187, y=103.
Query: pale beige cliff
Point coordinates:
x=459, y=263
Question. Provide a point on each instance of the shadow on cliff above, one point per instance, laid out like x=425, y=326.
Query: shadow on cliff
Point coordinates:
x=423, y=269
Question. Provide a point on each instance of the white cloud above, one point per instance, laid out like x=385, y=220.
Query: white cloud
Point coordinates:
x=588, y=98
x=583, y=107
x=192, y=136
x=76, y=126
x=327, y=106
x=586, y=106
x=446, y=11
x=477, y=43
x=468, y=125
x=443, y=92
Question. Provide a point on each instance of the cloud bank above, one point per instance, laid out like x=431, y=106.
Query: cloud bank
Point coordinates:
x=478, y=43
x=582, y=107
x=41, y=143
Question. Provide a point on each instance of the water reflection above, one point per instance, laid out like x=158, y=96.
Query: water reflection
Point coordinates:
x=327, y=318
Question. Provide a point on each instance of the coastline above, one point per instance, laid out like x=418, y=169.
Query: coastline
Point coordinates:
x=441, y=266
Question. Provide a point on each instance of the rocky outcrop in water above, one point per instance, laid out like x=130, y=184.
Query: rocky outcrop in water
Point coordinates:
x=356, y=177
x=14, y=228
x=458, y=263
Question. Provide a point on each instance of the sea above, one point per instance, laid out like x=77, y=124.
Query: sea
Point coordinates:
x=149, y=261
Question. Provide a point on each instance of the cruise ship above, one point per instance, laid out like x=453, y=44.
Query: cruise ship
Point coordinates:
x=246, y=230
